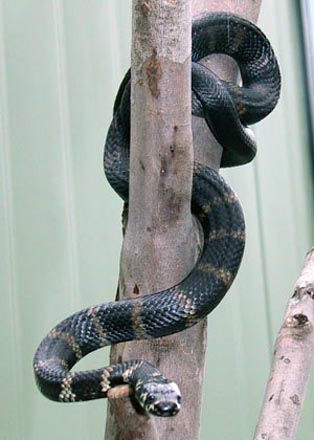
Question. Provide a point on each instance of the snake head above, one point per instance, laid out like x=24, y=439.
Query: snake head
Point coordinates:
x=160, y=398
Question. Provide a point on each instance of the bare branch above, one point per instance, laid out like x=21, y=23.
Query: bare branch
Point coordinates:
x=294, y=352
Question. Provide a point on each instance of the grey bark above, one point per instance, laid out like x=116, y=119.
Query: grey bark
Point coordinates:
x=293, y=355
x=162, y=240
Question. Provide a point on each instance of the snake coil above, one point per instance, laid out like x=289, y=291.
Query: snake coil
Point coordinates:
x=227, y=109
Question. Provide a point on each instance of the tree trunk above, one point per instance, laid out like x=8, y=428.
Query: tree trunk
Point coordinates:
x=162, y=240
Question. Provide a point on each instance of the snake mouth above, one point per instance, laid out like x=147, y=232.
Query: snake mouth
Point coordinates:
x=166, y=409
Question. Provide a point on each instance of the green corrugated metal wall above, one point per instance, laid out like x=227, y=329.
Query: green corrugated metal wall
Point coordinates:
x=60, y=65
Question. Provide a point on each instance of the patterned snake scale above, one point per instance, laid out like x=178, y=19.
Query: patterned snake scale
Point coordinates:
x=227, y=109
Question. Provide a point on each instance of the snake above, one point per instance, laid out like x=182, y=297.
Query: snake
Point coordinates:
x=228, y=110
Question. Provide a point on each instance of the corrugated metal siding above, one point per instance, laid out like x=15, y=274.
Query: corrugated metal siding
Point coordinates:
x=60, y=66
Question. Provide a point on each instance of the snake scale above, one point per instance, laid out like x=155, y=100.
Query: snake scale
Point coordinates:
x=227, y=109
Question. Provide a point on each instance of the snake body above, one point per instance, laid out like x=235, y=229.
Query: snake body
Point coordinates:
x=227, y=110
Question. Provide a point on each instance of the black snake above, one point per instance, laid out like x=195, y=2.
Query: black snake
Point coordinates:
x=227, y=109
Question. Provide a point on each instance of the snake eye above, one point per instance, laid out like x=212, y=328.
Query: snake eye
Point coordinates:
x=150, y=398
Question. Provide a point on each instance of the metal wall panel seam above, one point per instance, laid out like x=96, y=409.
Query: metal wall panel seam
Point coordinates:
x=275, y=206
x=250, y=289
x=64, y=113
x=115, y=61
x=261, y=240
x=288, y=15
x=14, y=344
x=307, y=16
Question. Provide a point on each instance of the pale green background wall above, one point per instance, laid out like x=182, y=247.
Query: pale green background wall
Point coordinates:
x=60, y=66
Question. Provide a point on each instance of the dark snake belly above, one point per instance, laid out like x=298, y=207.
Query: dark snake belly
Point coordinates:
x=227, y=110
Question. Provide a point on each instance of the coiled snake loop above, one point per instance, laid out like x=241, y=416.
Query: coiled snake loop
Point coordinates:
x=227, y=109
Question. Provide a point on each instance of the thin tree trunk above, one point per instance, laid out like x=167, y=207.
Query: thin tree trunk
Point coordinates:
x=162, y=240
x=293, y=355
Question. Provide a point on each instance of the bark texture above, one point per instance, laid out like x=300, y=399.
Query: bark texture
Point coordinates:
x=293, y=355
x=162, y=240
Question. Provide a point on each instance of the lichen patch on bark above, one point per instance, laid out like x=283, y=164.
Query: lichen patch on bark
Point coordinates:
x=154, y=73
